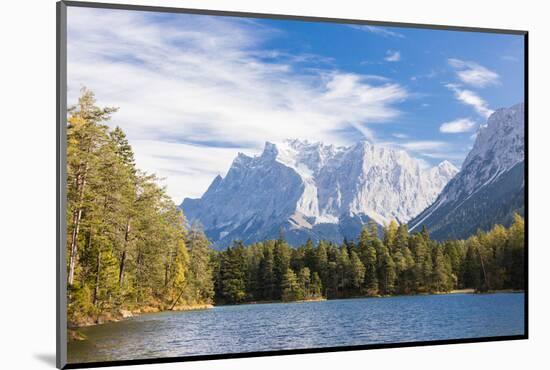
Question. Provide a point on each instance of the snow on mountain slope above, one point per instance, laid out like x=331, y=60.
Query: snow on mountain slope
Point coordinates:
x=312, y=190
x=489, y=187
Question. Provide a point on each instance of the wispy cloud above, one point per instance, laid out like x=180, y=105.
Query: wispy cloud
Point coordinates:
x=473, y=74
x=457, y=126
x=456, y=157
x=433, y=150
x=382, y=31
x=423, y=145
x=414, y=147
x=471, y=98
x=400, y=135
x=392, y=56
x=184, y=82
x=432, y=74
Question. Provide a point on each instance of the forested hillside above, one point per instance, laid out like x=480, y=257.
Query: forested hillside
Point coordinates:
x=126, y=244
x=130, y=249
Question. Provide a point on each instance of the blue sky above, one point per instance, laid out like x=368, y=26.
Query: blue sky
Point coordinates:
x=194, y=90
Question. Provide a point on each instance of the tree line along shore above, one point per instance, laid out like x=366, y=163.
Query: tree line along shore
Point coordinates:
x=130, y=250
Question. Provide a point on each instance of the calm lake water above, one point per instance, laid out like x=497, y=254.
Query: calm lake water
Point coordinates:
x=262, y=327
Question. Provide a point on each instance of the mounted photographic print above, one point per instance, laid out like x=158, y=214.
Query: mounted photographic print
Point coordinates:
x=235, y=184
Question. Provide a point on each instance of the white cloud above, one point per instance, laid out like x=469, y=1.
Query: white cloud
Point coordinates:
x=469, y=97
x=203, y=89
x=392, y=56
x=377, y=30
x=181, y=163
x=456, y=157
x=400, y=136
x=423, y=145
x=424, y=164
x=457, y=126
x=474, y=74
x=435, y=151
x=405, y=143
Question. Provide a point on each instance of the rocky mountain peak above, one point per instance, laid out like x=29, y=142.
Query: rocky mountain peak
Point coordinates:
x=315, y=190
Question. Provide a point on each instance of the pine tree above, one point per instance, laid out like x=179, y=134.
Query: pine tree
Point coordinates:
x=472, y=274
x=390, y=235
x=316, y=286
x=201, y=286
x=266, y=273
x=373, y=228
x=402, y=238
x=233, y=274
x=321, y=263
x=177, y=280
x=357, y=271
x=371, y=274
x=343, y=263
x=281, y=263
x=516, y=246
x=309, y=254
x=304, y=281
x=291, y=290
x=424, y=233
x=123, y=149
x=441, y=281
x=364, y=238
x=387, y=273
x=423, y=264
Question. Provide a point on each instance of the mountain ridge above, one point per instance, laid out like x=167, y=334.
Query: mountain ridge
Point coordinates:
x=490, y=185
x=313, y=190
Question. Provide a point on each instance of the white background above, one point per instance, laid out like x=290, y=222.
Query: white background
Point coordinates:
x=27, y=186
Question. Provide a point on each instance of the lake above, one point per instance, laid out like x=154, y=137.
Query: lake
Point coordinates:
x=263, y=327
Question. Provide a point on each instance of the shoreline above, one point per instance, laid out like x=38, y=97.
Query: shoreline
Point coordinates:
x=320, y=299
x=73, y=333
x=124, y=314
x=455, y=291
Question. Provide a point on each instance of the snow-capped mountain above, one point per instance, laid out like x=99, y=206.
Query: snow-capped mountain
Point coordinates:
x=490, y=185
x=311, y=190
